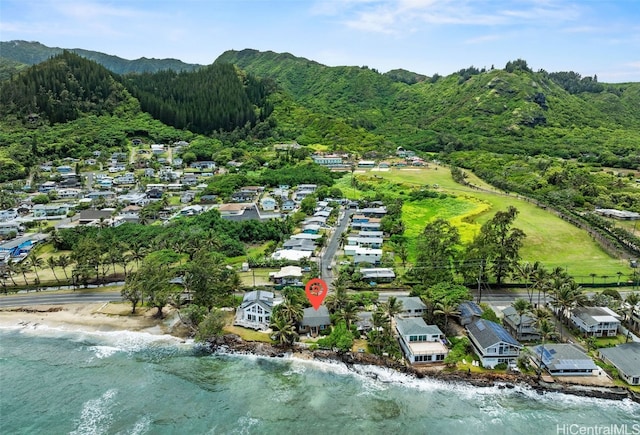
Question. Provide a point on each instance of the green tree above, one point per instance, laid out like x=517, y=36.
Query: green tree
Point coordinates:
x=284, y=331
x=498, y=244
x=35, y=263
x=446, y=310
x=436, y=253
x=546, y=331
x=64, y=261
x=347, y=314
x=340, y=338
x=211, y=326
x=52, y=263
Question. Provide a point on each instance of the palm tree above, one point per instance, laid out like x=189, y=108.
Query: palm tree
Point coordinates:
x=138, y=252
x=284, y=331
x=12, y=269
x=632, y=300
x=338, y=299
x=52, y=263
x=36, y=263
x=23, y=269
x=56, y=239
x=567, y=296
x=290, y=311
x=64, y=261
x=546, y=330
x=447, y=310
x=348, y=313
x=392, y=307
x=343, y=239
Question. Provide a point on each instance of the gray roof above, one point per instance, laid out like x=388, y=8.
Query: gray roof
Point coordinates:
x=261, y=297
x=415, y=326
x=626, y=357
x=564, y=357
x=378, y=272
x=593, y=315
x=312, y=317
x=512, y=315
x=411, y=303
x=488, y=333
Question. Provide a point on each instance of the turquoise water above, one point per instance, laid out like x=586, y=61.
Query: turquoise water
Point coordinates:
x=57, y=382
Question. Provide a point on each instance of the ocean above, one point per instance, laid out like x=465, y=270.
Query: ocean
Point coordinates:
x=63, y=382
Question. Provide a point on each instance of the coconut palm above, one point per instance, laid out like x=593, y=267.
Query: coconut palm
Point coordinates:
x=284, y=331
x=567, y=296
x=447, y=310
x=64, y=261
x=546, y=330
x=23, y=268
x=12, y=269
x=392, y=307
x=348, y=314
x=52, y=263
x=138, y=252
x=338, y=299
x=36, y=263
x=291, y=311
x=522, y=307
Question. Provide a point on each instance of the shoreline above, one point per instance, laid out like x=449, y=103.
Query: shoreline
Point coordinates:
x=109, y=317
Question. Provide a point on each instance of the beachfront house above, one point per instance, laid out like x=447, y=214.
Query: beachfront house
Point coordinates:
x=469, y=312
x=420, y=343
x=492, y=343
x=255, y=310
x=564, y=360
x=625, y=358
x=313, y=321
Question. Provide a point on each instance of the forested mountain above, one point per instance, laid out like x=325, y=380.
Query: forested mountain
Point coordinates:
x=9, y=67
x=32, y=53
x=217, y=97
x=511, y=110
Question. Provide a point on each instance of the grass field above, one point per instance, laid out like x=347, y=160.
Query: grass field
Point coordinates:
x=550, y=240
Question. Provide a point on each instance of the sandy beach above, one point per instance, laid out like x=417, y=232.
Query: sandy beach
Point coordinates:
x=90, y=317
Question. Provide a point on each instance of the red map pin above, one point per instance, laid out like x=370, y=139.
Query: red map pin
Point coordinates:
x=316, y=290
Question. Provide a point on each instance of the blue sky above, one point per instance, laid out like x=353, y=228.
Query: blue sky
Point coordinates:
x=426, y=36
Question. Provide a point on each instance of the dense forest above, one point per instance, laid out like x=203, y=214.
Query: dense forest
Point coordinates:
x=212, y=98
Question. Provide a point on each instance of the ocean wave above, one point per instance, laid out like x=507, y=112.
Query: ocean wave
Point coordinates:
x=95, y=417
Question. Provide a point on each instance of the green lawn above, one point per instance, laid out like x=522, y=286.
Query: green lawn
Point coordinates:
x=549, y=240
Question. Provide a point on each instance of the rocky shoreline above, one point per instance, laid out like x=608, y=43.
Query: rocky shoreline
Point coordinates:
x=233, y=344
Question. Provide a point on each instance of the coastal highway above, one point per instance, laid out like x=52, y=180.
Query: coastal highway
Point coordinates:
x=61, y=298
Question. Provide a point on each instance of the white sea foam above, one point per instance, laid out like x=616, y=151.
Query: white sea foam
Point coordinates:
x=95, y=417
x=141, y=426
x=103, y=351
x=245, y=423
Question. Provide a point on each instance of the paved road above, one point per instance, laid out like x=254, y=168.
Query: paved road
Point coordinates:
x=332, y=247
x=53, y=299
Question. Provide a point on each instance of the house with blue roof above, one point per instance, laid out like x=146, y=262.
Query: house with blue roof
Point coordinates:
x=564, y=360
x=492, y=343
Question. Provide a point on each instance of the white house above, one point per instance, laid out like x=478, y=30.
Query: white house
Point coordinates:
x=7, y=215
x=596, y=321
x=421, y=343
x=492, y=343
x=367, y=255
x=255, y=310
x=268, y=204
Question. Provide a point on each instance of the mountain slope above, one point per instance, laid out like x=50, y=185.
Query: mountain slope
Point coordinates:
x=32, y=53
x=513, y=110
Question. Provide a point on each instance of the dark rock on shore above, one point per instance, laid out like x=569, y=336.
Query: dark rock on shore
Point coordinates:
x=231, y=343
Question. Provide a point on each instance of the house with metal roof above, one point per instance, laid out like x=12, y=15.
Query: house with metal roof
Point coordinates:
x=313, y=321
x=564, y=360
x=412, y=306
x=625, y=358
x=421, y=343
x=255, y=310
x=377, y=274
x=522, y=328
x=469, y=312
x=596, y=321
x=492, y=343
